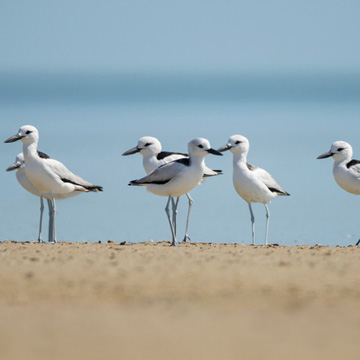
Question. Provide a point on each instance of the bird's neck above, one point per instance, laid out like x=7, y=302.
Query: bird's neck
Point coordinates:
x=342, y=162
x=30, y=151
x=150, y=163
x=239, y=159
x=197, y=161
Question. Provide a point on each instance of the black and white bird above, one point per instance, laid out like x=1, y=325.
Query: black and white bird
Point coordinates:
x=153, y=157
x=23, y=180
x=346, y=170
x=253, y=184
x=178, y=177
x=49, y=177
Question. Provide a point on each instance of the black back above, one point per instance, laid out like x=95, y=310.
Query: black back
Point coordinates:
x=164, y=154
x=43, y=155
x=352, y=163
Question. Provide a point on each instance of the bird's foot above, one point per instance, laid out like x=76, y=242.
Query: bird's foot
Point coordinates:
x=186, y=239
x=175, y=243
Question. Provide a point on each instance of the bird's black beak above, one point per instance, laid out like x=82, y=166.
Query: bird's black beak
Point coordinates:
x=214, y=152
x=224, y=148
x=13, y=138
x=131, y=151
x=325, y=155
x=13, y=166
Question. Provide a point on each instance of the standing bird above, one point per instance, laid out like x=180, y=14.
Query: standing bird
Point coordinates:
x=345, y=170
x=50, y=177
x=153, y=157
x=23, y=180
x=178, y=177
x=253, y=184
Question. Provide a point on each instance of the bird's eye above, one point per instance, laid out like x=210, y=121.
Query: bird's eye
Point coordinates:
x=147, y=144
x=28, y=132
x=340, y=149
x=237, y=142
x=200, y=146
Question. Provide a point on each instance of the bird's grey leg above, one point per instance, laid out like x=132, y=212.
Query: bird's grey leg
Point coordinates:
x=191, y=201
x=173, y=213
x=53, y=208
x=174, y=242
x=267, y=223
x=41, y=217
x=50, y=238
x=252, y=223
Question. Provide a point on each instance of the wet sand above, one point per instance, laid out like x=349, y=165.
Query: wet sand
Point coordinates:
x=200, y=301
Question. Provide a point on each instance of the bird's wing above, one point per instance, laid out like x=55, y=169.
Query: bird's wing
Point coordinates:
x=268, y=180
x=354, y=166
x=65, y=175
x=162, y=174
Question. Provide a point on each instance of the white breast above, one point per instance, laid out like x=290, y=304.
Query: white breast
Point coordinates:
x=250, y=187
x=347, y=179
x=25, y=182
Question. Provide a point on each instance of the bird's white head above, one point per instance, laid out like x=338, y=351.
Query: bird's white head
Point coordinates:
x=27, y=134
x=201, y=147
x=237, y=144
x=146, y=146
x=340, y=150
x=149, y=145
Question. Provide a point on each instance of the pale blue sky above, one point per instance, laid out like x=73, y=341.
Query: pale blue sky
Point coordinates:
x=180, y=35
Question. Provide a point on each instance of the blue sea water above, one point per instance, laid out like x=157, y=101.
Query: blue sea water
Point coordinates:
x=88, y=121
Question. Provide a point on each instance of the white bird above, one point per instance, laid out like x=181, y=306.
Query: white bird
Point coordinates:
x=50, y=177
x=253, y=184
x=23, y=180
x=153, y=157
x=346, y=171
x=178, y=177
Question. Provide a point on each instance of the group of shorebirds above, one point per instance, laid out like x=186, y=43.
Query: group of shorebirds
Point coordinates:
x=169, y=174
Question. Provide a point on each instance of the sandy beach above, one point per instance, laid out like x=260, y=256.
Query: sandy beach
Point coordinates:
x=198, y=301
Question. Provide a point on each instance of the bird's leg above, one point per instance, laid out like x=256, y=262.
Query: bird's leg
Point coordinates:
x=191, y=201
x=41, y=217
x=53, y=208
x=167, y=210
x=252, y=223
x=173, y=213
x=267, y=223
x=50, y=239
